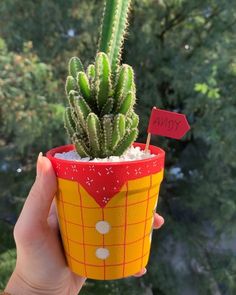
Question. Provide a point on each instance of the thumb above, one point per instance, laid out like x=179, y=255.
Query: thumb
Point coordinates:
x=37, y=205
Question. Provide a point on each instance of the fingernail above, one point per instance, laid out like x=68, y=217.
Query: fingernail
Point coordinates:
x=39, y=164
x=162, y=220
x=141, y=273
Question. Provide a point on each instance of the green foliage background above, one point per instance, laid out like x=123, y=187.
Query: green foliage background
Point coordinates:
x=184, y=56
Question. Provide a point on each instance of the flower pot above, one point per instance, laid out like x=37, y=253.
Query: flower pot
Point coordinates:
x=106, y=212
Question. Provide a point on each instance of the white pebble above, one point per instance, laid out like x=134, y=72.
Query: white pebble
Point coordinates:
x=133, y=153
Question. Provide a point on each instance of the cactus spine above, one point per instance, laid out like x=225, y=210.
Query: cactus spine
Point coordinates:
x=100, y=119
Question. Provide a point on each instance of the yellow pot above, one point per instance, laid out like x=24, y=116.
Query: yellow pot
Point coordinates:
x=106, y=213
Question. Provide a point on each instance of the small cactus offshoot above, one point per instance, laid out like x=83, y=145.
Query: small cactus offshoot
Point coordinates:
x=100, y=119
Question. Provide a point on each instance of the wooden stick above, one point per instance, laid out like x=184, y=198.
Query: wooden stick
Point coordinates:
x=148, y=142
x=148, y=138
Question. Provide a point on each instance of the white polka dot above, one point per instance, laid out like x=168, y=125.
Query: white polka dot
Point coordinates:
x=102, y=253
x=103, y=227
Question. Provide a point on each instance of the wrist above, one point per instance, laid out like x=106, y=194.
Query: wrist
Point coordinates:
x=17, y=285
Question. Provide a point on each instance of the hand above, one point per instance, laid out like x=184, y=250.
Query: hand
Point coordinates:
x=41, y=265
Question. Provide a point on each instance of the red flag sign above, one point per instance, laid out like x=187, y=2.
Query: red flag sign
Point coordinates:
x=169, y=124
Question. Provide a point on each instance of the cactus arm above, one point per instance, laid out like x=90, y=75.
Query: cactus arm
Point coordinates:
x=81, y=148
x=126, y=104
x=85, y=108
x=80, y=117
x=126, y=142
x=135, y=120
x=107, y=131
x=118, y=129
x=109, y=17
x=102, y=79
x=84, y=86
x=128, y=123
x=71, y=97
x=69, y=123
x=75, y=66
x=80, y=132
x=116, y=49
x=125, y=84
x=107, y=108
x=121, y=125
x=82, y=110
x=93, y=130
x=70, y=84
x=113, y=30
x=73, y=114
x=91, y=72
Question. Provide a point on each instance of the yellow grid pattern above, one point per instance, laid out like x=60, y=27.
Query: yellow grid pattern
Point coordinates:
x=130, y=214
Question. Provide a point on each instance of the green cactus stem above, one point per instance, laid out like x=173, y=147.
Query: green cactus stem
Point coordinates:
x=107, y=108
x=69, y=123
x=84, y=86
x=82, y=111
x=81, y=148
x=102, y=79
x=115, y=22
x=70, y=84
x=134, y=120
x=94, y=130
x=75, y=66
x=91, y=72
x=118, y=129
x=126, y=104
x=107, y=131
x=125, y=82
x=126, y=142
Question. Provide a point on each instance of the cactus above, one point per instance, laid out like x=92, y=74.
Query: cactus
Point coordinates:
x=100, y=119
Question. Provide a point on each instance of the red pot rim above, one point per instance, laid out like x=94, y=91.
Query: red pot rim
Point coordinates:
x=159, y=154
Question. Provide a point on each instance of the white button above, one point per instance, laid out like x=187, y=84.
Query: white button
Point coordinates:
x=103, y=227
x=102, y=253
